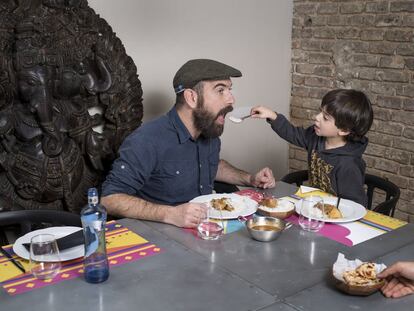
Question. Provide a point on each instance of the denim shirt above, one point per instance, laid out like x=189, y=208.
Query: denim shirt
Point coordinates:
x=160, y=162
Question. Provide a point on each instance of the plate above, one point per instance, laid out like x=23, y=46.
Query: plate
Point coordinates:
x=351, y=210
x=58, y=232
x=243, y=206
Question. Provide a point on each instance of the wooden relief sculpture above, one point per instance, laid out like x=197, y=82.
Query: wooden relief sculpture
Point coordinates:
x=69, y=95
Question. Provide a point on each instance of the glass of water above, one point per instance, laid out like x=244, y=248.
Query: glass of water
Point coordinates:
x=311, y=213
x=44, y=256
x=210, y=229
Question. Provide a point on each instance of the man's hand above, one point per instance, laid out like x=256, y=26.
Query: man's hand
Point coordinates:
x=400, y=280
x=263, y=179
x=187, y=215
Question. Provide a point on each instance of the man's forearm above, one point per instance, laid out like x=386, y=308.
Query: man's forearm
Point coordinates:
x=232, y=175
x=123, y=205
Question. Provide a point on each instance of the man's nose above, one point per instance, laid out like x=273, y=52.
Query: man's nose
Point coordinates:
x=231, y=100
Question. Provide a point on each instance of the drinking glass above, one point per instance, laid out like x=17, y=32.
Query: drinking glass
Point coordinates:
x=44, y=256
x=311, y=213
x=210, y=229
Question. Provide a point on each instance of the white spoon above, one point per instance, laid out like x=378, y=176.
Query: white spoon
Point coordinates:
x=238, y=120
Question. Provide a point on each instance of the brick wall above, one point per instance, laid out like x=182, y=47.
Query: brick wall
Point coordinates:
x=369, y=46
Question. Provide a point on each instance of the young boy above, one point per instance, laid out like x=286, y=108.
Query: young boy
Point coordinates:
x=335, y=143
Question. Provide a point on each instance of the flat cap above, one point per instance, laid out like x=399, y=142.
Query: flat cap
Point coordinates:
x=197, y=70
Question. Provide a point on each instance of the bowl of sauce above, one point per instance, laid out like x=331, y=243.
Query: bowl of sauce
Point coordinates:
x=265, y=229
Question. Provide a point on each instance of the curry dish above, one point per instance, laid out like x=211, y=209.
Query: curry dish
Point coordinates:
x=222, y=204
x=330, y=211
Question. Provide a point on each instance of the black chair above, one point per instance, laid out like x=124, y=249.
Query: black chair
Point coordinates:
x=392, y=192
x=28, y=220
x=222, y=187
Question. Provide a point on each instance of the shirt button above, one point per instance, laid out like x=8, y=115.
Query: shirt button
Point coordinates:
x=201, y=186
x=177, y=172
x=123, y=166
x=200, y=165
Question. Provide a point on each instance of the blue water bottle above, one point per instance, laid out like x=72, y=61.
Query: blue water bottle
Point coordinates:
x=93, y=216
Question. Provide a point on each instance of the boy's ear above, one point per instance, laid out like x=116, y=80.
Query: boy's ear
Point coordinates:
x=190, y=97
x=343, y=133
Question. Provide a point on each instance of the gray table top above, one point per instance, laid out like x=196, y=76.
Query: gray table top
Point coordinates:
x=233, y=273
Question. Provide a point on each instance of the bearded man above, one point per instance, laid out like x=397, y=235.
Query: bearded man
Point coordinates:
x=169, y=161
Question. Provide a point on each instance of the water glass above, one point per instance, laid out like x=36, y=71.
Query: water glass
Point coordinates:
x=311, y=213
x=44, y=256
x=210, y=229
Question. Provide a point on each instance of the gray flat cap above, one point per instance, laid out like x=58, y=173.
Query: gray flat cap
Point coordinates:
x=197, y=70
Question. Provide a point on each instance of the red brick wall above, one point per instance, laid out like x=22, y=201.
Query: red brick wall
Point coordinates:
x=369, y=46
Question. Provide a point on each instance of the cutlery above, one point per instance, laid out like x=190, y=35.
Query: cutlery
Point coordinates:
x=239, y=120
x=337, y=202
x=16, y=263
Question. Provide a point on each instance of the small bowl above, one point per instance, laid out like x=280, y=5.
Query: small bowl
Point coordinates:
x=285, y=210
x=358, y=290
x=266, y=229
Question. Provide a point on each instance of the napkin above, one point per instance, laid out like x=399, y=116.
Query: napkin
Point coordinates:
x=305, y=191
x=71, y=240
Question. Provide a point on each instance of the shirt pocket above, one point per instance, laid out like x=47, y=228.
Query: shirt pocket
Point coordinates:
x=179, y=177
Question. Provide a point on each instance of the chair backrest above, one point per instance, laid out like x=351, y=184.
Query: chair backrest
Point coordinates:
x=392, y=194
x=24, y=220
x=387, y=207
x=298, y=177
x=223, y=187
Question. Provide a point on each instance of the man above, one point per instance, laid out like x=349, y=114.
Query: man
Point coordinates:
x=167, y=162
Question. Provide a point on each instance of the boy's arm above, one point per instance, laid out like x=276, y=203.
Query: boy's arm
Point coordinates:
x=294, y=135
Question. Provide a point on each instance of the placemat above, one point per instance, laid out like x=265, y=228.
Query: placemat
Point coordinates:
x=122, y=246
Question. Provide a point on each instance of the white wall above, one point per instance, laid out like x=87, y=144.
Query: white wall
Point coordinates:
x=251, y=35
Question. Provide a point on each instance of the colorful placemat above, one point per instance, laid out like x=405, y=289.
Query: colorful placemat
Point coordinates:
x=122, y=245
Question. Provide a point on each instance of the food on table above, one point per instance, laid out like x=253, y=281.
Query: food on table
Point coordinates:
x=330, y=210
x=364, y=275
x=269, y=202
x=222, y=204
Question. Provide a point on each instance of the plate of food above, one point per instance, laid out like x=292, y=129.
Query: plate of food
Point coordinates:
x=227, y=205
x=347, y=210
x=355, y=277
x=273, y=207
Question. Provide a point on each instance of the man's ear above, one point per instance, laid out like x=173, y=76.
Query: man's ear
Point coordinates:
x=191, y=97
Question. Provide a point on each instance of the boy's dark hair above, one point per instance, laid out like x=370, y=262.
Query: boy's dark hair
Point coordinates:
x=351, y=110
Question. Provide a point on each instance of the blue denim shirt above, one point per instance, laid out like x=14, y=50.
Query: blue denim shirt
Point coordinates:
x=161, y=163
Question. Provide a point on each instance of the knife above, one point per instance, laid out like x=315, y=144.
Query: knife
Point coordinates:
x=16, y=263
x=71, y=240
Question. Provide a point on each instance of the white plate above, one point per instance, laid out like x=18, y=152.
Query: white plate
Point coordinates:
x=351, y=210
x=58, y=232
x=243, y=206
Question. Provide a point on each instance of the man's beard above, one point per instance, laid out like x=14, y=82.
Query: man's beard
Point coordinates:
x=204, y=120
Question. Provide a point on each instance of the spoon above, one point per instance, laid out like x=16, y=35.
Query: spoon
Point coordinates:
x=239, y=120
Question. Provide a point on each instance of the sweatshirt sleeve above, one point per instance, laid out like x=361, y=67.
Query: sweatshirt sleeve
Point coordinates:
x=295, y=135
x=350, y=181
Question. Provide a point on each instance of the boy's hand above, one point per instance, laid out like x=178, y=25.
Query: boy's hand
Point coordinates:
x=263, y=113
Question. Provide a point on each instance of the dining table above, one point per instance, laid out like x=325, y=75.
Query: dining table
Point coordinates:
x=235, y=272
